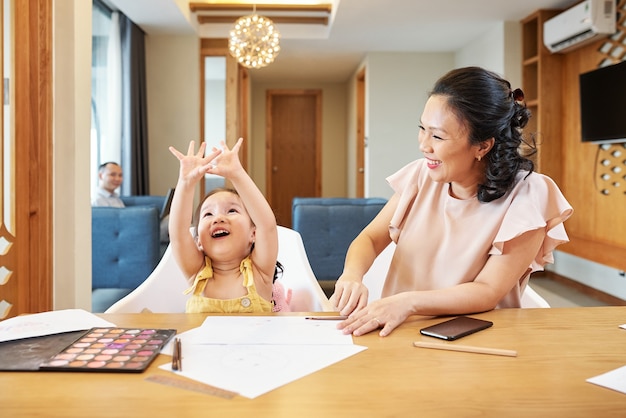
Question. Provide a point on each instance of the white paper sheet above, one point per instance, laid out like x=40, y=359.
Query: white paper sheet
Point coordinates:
x=254, y=355
x=47, y=323
x=252, y=370
x=615, y=379
x=273, y=330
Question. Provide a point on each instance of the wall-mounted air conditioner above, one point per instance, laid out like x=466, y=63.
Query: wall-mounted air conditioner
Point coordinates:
x=579, y=25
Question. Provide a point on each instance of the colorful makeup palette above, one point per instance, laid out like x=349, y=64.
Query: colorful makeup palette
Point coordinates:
x=111, y=350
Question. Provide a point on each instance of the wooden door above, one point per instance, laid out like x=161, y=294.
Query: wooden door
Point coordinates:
x=360, y=134
x=293, y=160
x=26, y=169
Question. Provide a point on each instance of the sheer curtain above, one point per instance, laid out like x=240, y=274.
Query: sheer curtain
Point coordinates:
x=110, y=149
x=105, y=90
x=119, y=122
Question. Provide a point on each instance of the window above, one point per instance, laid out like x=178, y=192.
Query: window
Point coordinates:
x=105, y=89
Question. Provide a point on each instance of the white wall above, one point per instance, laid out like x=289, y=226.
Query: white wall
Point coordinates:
x=499, y=50
x=173, y=95
x=71, y=150
x=397, y=87
x=486, y=51
x=513, y=53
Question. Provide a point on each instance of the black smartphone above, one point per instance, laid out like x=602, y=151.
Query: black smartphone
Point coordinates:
x=455, y=328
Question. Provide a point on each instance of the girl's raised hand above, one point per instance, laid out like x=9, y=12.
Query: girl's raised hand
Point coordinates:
x=194, y=165
x=227, y=163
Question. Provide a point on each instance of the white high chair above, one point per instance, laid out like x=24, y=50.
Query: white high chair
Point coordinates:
x=162, y=291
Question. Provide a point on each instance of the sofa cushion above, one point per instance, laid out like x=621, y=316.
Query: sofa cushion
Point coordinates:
x=328, y=226
x=159, y=203
x=125, y=246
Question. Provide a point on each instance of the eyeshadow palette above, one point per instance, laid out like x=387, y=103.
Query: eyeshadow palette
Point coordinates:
x=111, y=350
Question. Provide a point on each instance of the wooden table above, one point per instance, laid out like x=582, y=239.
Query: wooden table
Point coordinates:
x=558, y=349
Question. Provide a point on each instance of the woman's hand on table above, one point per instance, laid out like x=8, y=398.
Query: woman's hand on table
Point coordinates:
x=350, y=294
x=384, y=314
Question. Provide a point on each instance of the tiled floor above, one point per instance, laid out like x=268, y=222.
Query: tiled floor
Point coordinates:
x=561, y=296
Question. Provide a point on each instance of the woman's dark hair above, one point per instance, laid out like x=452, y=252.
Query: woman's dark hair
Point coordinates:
x=485, y=103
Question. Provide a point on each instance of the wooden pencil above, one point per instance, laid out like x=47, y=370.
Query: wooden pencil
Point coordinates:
x=466, y=348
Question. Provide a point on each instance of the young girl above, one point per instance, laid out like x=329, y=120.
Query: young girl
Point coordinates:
x=231, y=258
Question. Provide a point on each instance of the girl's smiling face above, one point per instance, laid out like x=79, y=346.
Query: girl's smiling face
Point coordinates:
x=224, y=228
x=444, y=141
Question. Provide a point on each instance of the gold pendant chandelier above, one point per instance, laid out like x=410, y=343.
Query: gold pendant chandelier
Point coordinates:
x=254, y=41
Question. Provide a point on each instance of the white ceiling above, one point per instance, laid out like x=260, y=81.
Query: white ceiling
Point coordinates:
x=357, y=27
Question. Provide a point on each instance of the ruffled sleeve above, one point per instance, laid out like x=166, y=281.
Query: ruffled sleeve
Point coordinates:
x=535, y=202
x=406, y=183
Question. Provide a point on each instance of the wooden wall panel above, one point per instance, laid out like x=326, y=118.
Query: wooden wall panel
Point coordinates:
x=598, y=227
x=28, y=287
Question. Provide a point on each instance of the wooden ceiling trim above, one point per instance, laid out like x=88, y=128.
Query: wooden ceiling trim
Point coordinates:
x=204, y=19
x=266, y=8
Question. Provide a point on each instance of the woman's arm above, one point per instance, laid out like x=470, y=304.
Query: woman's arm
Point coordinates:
x=495, y=280
x=350, y=293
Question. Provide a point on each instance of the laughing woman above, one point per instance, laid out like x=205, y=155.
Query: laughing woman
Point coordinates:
x=471, y=220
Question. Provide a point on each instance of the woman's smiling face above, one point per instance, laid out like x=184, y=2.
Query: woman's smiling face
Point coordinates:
x=444, y=141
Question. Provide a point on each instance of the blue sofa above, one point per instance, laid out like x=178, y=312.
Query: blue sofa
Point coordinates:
x=155, y=201
x=126, y=247
x=327, y=227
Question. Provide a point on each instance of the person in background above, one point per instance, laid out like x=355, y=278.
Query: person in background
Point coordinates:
x=110, y=178
x=230, y=261
x=471, y=220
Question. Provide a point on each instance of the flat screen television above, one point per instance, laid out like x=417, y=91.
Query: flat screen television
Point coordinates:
x=603, y=104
